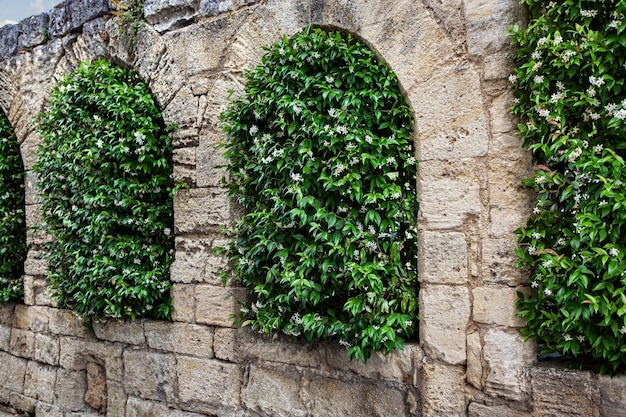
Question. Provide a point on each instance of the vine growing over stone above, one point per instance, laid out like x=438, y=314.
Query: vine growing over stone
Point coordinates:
x=321, y=158
x=105, y=177
x=12, y=215
x=570, y=94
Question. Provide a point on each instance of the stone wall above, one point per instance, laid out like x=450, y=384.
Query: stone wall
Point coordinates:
x=451, y=58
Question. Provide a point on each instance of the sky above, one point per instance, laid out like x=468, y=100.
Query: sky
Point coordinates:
x=12, y=11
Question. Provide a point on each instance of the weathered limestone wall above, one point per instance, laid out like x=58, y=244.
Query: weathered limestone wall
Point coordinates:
x=451, y=58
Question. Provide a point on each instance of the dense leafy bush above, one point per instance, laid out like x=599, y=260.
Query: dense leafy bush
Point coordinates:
x=321, y=159
x=105, y=175
x=12, y=215
x=571, y=96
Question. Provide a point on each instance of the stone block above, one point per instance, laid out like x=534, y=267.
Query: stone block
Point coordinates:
x=399, y=365
x=498, y=66
x=496, y=305
x=443, y=390
x=96, y=393
x=188, y=339
x=331, y=397
x=116, y=399
x=201, y=210
x=32, y=31
x=77, y=353
x=454, y=124
x=48, y=410
x=498, y=262
x=564, y=392
x=216, y=305
x=70, y=390
x=66, y=322
x=71, y=15
x=450, y=192
x=184, y=303
x=210, y=163
x=47, y=349
x=23, y=403
x=150, y=375
x=39, y=381
x=130, y=332
x=34, y=264
x=23, y=343
x=273, y=391
x=445, y=313
x=12, y=372
x=166, y=79
x=6, y=313
x=443, y=258
x=34, y=219
x=612, y=395
x=506, y=358
x=29, y=290
x=505, y=183
x=242, y=344
x=474, y=360
x=31, y=318
x=208, y=386
x=166, y=15
x=487, y=23
x=9, y=35
x=5, y=338
x=481, y=410
x=196, y=260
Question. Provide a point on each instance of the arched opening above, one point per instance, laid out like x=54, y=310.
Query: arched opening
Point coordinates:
x=321, y=154
x=105, y=176
x=12, y=215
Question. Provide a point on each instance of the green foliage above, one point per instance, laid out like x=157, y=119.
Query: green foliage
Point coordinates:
x=570, y=93
x=12, y=215
x=131, y=14
x=105, y=175
x=321, y=159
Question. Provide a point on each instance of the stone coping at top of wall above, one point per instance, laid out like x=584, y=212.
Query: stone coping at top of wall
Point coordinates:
x=452, y=62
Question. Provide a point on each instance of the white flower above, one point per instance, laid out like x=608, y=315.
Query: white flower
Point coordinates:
x=557, y=40
x=297, y=109
x=613, y=252
x=513, y=78
x=538, y=79
x=330, y=79
x=547, y=292
x=542, y=41
x=99, y=143
x=581, y=338
x=567, y=337
x=536, y=210
x=598, y=148
x=140, y=138
x=281, y=51
x=622, y=330
x=296, y=177
x=536, y=235
x=167, y=231
x=534, y=284
x=341, y=129
x=532, y=250
x=621, y=114
x=253, y=129
x=588, y=13
x=411, y=160
x=536, y=55
x=567, y=55
x=597, y=81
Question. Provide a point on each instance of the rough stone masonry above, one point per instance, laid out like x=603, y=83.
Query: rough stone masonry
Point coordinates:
x=452, y=61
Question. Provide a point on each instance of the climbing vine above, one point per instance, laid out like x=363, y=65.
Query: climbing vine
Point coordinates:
x=570, y=94
x=105, y=178
x=321, y=158
x=12, y=215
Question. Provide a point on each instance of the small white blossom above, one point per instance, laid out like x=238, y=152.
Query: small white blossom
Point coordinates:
x=613, y=252
x=512, y=78
x=557, y=40
x=536, y=235
x=622, y=330
x=567, y=337
x=296, y=109
x=547, y=292
x=99, y=143
x=589, y=13
x=536, y=55
x=598, y=148
x=534, y=284
x=597, y=81
x=140, y=138
x=581, y=338
x=542, y=41
x=296, y=177
x=538, y=79
x=167, y=231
